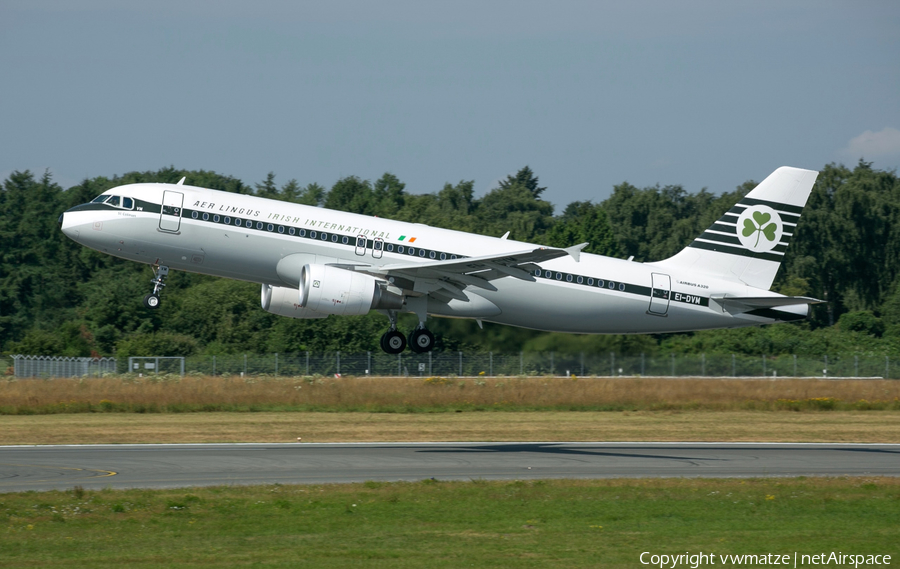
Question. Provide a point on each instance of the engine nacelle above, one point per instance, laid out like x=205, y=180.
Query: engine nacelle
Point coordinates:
x=332, y=290
x=285, y=301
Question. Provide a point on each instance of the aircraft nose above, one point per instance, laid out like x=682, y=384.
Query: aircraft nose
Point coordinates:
x=66, y=225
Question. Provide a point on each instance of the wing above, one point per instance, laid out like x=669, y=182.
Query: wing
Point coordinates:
x=446, y=280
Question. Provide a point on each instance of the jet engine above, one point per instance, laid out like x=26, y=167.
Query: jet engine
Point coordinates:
x=285, y=301
x=333, y=290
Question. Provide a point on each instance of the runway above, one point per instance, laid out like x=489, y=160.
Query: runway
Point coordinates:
x=171, y=466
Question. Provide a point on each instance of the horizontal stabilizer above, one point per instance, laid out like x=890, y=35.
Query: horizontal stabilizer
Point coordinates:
x=739, y=304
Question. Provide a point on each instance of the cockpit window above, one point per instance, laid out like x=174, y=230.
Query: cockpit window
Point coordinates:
x=100, y=199
x=127, y=203
x=114, y=201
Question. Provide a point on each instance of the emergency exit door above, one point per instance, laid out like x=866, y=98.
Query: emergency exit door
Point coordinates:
x=170, y=214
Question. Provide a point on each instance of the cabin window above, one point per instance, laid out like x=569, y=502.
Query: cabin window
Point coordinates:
x=312, y=234
x=432, y=255
x=194, y=215
x=622, y=287
x=280, y=229
x=216, y=219
x=205, y=217
x=443, y=256
x=412, y=251
x=537, y=272
x=259, y=224
x=227, y=220
x=334, y=238
x=452, y=256
x=270, y=227
x=292, y=231
x=323, y=236
x=400, y=248
x=249, y=224
x=600, y=283
x=568, y=278
x=422, y=252
x=580, y=280
x=238, y=221
x=548, y=274
x=302, y=233
x=559, y=276
x=611, y=285
x=590, y=282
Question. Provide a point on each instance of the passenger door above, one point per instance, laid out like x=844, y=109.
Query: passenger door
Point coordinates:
x=660, y=293
x=170, y=215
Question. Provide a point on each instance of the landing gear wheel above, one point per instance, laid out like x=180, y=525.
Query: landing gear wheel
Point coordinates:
x=159, y=281
x=393, y=342
x=421, y=340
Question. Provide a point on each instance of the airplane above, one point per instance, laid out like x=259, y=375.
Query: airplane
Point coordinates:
x=313, y=262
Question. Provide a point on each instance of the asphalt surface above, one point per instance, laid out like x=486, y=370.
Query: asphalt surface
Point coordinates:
x=169, y=466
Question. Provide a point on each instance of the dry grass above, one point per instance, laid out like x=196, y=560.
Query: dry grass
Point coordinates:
x=200, y=393
x=84, y=428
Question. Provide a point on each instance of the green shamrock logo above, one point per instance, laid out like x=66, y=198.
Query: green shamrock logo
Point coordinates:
x=759, y=227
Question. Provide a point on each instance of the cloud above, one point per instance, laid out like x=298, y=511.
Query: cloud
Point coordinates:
x=882, y=144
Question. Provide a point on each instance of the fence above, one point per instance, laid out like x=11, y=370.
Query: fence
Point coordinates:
x=46, y=366
x=474, y=364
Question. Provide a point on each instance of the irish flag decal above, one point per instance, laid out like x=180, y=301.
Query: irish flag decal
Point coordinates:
x=403, y=238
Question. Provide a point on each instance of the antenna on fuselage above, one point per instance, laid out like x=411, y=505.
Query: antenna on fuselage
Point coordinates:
x=181, y=181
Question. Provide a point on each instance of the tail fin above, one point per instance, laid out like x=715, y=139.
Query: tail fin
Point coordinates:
x=748, y=243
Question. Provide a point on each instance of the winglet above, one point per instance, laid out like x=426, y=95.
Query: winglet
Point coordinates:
x=575, y=251
x=181, y=181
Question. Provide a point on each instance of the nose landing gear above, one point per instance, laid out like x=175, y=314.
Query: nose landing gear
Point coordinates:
x=152, y=300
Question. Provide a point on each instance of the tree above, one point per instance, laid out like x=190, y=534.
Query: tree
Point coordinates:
x=267, y=188
x=351, y=194
x=584, y=222
x=524, y=177
x=389, y=196
x=513, y=208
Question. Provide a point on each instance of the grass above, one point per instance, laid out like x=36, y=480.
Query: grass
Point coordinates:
x=168, y=394
x=562, y=523
x=775, y=426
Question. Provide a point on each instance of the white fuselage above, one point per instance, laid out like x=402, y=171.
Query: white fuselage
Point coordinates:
x=210, y=234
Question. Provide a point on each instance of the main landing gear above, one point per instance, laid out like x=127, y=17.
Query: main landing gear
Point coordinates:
x=159, y=281
x=393, y=341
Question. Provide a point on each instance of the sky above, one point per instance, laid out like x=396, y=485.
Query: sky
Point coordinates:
x=588, y=94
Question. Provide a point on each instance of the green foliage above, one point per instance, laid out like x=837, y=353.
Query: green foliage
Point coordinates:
x=59, y=298
x=525, y=178
x=862, y=321
x=156, y=343
x=514, y=208
x=655, y=223
x=584, y=222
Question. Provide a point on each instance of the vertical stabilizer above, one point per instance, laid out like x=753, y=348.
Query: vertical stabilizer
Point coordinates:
x=748, y=243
